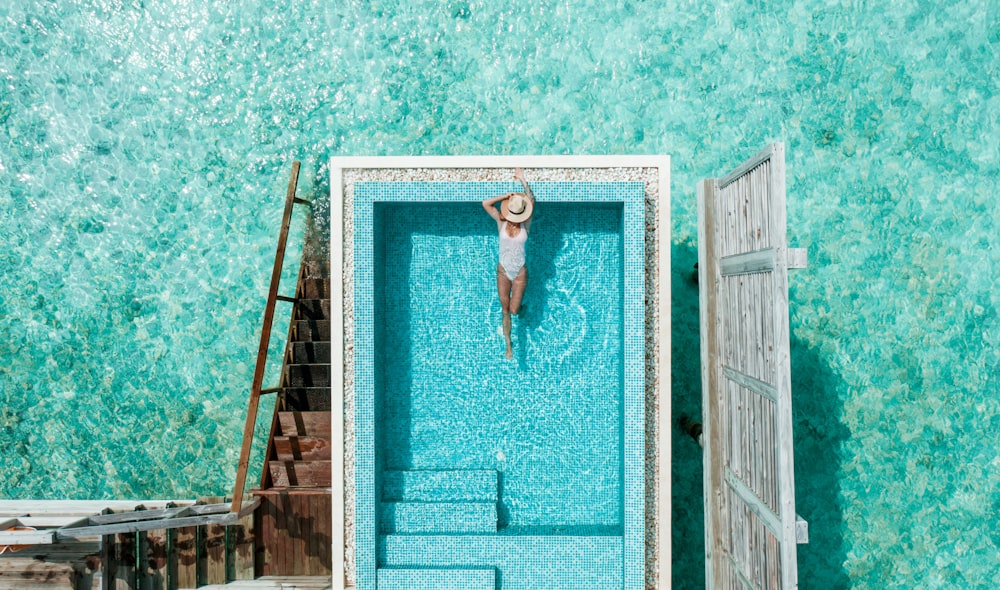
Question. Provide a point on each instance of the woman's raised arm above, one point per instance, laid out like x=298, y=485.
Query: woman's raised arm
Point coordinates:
x=491, y=210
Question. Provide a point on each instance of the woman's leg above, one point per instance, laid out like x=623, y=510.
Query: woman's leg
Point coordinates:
x=503, y=290
x=517, y=290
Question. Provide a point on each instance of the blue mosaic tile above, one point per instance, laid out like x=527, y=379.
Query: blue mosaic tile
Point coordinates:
x=522, y=562
x=438, y=517
x=436, y=579
x=440, y=485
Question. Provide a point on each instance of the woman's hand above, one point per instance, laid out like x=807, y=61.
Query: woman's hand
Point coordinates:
x=519, y=174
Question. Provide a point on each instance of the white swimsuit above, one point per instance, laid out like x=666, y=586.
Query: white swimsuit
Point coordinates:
x=512, y=251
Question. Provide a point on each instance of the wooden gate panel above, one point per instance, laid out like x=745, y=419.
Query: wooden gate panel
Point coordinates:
x=749, y=473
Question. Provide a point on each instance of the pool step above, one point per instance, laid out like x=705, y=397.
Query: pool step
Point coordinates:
x=438, y=517
x=458, y=485
x=390, y=578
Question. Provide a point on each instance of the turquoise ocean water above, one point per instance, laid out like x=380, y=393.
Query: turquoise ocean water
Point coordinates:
x=144, y=152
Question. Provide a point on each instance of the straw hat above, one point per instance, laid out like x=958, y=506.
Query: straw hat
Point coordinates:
x=516, y=208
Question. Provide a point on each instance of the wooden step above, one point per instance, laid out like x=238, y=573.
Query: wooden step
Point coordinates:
x=302, y=448
x=307, y=375
x=316, y=268
x=311, y=330
x=314, y=289
x=307, y=399
x=313, y=309
x=399, y=578
x=303, y=474
x=305, y=424
x=304, y=353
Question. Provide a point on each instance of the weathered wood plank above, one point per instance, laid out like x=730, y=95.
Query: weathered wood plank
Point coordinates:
x=79, y=507
x=302, y=448
x=300, y=473
x=224, y=518
x=25, y=574
x=120, y=571
x=243, y=551
x=26, y=536
x=265, y=522
x=713, y=450
x=184, y=553
x=282, y=553
x=153, y=559
x=305, y=424
x=133, y=516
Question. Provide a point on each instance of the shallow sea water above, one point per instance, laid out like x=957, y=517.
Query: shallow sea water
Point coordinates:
x=146, y=150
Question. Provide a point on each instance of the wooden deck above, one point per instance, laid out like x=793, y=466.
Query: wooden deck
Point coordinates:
x=283, y=543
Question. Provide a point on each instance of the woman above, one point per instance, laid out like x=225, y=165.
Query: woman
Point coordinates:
x=513, y=221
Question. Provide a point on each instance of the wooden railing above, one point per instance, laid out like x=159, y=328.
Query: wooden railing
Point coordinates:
x=265, y=338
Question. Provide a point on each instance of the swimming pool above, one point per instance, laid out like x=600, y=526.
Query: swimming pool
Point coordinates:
x=528, y=471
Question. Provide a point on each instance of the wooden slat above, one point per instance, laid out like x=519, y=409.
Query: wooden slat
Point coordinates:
x=212, y=549
x=798, y=258
x=184, y=553
x=121, y=568
x=748, y=165
x=281, y=527
x=712, y=408
x=224, y=518
x=771, y=520
x=748, y=262
x=133, y=516
x=309, y=474
x=305, y=424
x=302, y=448
x=755, y=385
x=153, y=559
x=319, y=553
x=243, y=549
x=26, y=537
x=801, y=530
x=79, y=507
x=23, y=574
x=266, y=520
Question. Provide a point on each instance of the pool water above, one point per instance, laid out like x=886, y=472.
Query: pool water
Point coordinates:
x=145, y=151
x=531, y=467
x=549, y=420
